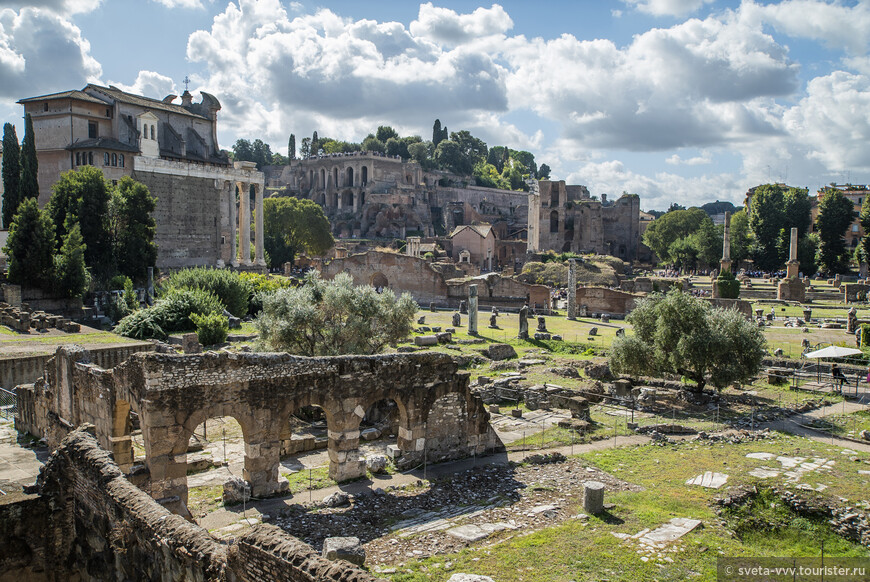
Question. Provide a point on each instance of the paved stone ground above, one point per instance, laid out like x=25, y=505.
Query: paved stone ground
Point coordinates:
x=19, y=465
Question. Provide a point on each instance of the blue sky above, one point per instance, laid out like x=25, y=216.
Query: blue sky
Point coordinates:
x=682, y=101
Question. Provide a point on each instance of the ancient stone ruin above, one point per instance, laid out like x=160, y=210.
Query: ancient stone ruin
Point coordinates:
x=439, y=418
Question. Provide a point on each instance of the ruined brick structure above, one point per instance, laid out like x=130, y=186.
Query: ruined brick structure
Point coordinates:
x=88, y=522
x=427, y=285
x=565, y=218
x=173, y=149
x=370, y=195
x=439, y=417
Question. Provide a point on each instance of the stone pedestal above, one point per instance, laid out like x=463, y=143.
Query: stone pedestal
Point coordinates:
x=791, y=289
x=792, y=270
x=593, y=497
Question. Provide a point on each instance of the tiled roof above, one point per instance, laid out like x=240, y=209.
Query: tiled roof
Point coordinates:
x=124, y=97
x=482, y=229
x=80, y=95
x=104, y=143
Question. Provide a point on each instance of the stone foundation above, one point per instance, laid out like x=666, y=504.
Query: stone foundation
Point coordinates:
x=791, y=290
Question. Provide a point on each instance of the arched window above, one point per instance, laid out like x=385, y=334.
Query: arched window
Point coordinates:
x=554, y=221
x=78, y=158
x=106, y=159
x=114, y=159
x=349, y=178
x=90, y=158
x=152, y=133
x=121, y=160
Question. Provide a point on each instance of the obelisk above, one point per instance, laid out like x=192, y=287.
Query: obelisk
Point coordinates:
x=725, y=263
x=472, y=310
x=792, y=266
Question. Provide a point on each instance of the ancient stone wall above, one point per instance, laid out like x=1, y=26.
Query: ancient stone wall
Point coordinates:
x=851, y=291
x=604, y=300
x=27, y=369
x=188, y=219
x=88, y=522
x=497, y=291
x=174, y=394
x=392, y=271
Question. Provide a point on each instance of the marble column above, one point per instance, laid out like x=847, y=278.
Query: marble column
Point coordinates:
x=472, y=309
x=244, y=223
x=259, y=251
x=572, y=288
x=793, y=266
x=234, y=223
x=725, y=263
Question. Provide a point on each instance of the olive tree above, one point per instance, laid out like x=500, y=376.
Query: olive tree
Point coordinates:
x=681, y=334
x=330, y=318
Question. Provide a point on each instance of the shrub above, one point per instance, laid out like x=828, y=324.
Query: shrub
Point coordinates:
x=211, y=329
x=117, y=308
x=118, y=282
x=262, y=286
x=865, y=334
x=729, y=286
x=170, y=314
x=232, y=291
x=130, y=295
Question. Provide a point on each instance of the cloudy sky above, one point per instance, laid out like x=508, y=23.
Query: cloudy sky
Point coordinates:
x=676, y=100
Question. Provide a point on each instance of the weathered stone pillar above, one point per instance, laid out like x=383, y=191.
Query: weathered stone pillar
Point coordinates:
x=524, y=323
x=244, y=222
x=572, y=288
x=166, y=456
x=150, y=287
x=412, y=443
x=262, y=459
x=472, y=309
x=355, y=201
x=234, y=224
x=593, y=496
x=344, y=459
x=793, y=266
x=725, y=263
x=260, y=253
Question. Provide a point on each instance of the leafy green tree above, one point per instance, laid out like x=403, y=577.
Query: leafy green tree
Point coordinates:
x=393, y=147
x=11, y=173
x=498, y=156
x=133, y=228
x=419, y=152
x=305, y=148
x=708, y=241
x=544, y=172
x=72, y=278
x=243, y=151
x=488, y=176
x=30, y=247
x=526, y=160
x=82, y=196
x=29, y=186
x=808, y=251
x=373, y=144
x=683, y=253
x=836, y=213
x=291, y=147
x=385, y=132
x=449, y=156
x=796, y=211
x=261, y=153
x=292, y=226
x=681, y=334
x=472, y=148
x=741, y=236
x=330, y=318
x=864, y=218
x=669, y=228
x=767, y=219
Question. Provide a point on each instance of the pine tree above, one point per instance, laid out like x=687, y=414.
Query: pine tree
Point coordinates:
x=72, y=276
x=30, y=247
x=11, y=174
x=291, y=147
x=315, y=145
x=436, y=133
x=29, y=187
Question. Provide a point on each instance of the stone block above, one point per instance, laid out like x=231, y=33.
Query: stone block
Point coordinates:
x=593, y=331
x=470, y=578
x=494, y=409
x=444, y=337
x=541, y=335
x=394, y=452
x=593, y=497
x=517, y=413
x=236, y=490
x=426, y=340
x=377, y=464
x=370, y=434
x=500, y=352
x=345, y=548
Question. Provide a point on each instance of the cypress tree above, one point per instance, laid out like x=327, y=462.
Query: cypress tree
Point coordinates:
x=291, y=147
x=436, y=133
x=11, y=173
x=30, y=247
x=29, y=187
x=72, y=277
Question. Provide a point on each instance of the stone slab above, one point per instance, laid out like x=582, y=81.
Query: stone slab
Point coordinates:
x=474, y=533
x=671, y=531
x=709, y=479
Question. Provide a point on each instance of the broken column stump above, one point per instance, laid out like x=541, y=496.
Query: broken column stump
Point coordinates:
x=593, y=497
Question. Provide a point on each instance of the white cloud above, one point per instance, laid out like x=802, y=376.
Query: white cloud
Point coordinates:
x=190, y=4
x=65, y=7
x=150, y=84
x=448, y=28
x=40, y=52
x=704, y=159
x=667, y=7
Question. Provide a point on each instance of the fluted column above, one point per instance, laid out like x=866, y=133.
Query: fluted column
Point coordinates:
x=234, y=222
x=260, y=256
x=244, y=223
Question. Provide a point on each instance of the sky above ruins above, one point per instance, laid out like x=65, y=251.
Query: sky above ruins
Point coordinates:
x=683, y=101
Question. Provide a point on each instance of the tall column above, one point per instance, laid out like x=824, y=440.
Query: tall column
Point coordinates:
x=725, y=263
x=572, y=288
x=472, y=309
x=234, y=224
x=793, y=266
x=244, y=223
x=259, y=251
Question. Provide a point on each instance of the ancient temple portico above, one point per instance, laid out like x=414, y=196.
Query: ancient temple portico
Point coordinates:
x=246, y=178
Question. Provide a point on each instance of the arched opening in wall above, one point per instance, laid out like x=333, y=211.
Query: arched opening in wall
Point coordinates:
x=365, y=175
x=458, y=217
x=128, y=447
x=569, y=227
x=320, y=199
x=310, y=178
x=554, y=197
x=379, y=281
x=380, y=427
x=323, y=178
x=335, y=177
x=621, y=250
x=303, y=439
x=554, y=221
x=348, y=178
x=347, y=199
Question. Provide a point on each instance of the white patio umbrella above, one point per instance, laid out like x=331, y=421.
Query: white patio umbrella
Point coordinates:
x=833, y=352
